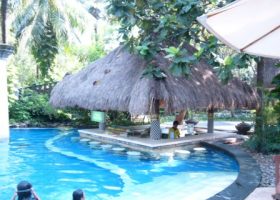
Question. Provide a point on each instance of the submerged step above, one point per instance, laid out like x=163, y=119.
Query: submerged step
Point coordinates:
x=118, y=149
x=182, y=152
x=106, y=146
x=167, y=154
x=133, y=153
x=84, y=140
x=94, y=143
x=199, y=149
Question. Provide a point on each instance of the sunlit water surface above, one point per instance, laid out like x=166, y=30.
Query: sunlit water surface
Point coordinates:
x=56, y=164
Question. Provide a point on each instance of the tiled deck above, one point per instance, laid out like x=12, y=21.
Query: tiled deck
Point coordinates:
x=147, y=144
x=262, y=193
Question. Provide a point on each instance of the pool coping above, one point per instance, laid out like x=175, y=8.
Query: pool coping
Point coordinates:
x=249, y=175
x=145, y=144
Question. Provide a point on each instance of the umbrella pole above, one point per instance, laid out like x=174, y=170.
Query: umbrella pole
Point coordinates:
x=210, y=122
x=155, y=131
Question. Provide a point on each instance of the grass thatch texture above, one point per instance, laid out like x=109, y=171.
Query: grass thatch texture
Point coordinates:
x=115, y=82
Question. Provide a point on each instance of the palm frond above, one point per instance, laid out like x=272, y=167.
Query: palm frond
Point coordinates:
x=25, y=18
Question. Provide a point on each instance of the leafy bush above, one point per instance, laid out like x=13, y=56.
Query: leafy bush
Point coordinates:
x=120, y=119
x=268, y=143
x=34, y=109
x=267, y=140
x=33, y=106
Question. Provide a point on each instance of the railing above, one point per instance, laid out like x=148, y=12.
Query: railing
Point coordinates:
x=42, y=89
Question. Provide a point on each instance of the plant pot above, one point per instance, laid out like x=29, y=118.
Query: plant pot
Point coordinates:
x=243, y=128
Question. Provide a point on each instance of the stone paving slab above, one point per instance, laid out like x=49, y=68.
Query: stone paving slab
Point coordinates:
x=147, y=143
x=222, y=125
x=262, y=193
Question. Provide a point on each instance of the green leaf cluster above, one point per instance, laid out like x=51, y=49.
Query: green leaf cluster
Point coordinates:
x=154, y=72
x=44, y=49
x=34, y=109
x=181, y=61
x=44, y=26
x=231, y=63
x=152, y=27
x=34, y=106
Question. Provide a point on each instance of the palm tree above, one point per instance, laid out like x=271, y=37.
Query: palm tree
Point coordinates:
x=3, y=19
x=42, y=25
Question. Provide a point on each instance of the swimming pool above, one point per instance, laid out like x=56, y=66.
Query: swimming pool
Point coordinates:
x=56, y=164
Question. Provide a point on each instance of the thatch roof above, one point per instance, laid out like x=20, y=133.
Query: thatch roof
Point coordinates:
x=115, y=82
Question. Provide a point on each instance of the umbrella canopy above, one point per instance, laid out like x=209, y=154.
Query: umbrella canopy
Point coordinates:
x=115, y=82
x=251, y=26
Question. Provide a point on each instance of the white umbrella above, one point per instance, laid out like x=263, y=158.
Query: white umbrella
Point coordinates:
x=250, y=26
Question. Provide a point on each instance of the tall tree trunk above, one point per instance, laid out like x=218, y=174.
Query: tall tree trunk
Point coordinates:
x=3, y=19
x=259, y=128
x=181, y=116
x=95, y=33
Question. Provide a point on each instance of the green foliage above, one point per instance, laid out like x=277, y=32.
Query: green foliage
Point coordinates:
x=34, y=106
x=153, y=72
x=231, y=64
x=73, y=58
x=268, y=143
x=163, y=27
x=85, y=54
x=181, y=61
x=47, y=25
x=267, y=140
x=44, y=49
x=275, y=94
x=34, y=109
x=118, y=118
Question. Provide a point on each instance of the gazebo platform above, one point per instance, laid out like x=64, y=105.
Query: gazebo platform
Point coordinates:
x=146, y=144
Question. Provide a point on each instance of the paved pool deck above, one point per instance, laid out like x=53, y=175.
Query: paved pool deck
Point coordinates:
x=223, y=129
x=222, y=125
x=262, y=193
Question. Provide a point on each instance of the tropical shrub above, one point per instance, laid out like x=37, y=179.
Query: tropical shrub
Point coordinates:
x=35, y=107
x=269, y=142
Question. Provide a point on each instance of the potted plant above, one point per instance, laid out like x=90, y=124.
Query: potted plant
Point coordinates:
x=243, y=128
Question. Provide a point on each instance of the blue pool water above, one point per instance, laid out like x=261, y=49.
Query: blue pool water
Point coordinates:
x=56, y=165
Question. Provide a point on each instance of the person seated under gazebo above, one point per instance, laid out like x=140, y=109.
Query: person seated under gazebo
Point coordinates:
x=174, y=131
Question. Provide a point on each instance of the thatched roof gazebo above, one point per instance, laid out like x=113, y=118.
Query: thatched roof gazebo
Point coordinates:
x=116, y=82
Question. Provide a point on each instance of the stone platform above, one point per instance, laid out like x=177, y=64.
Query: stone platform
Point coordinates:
x=146, y=144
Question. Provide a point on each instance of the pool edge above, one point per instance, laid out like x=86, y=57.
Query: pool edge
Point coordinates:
x=248, y=178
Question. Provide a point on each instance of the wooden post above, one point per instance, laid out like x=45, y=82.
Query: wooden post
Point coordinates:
x=5, y=51
x=210, y=123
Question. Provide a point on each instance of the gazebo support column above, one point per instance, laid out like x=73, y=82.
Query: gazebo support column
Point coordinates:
x=155, y=132
x=5, y=51
x=210, y=122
